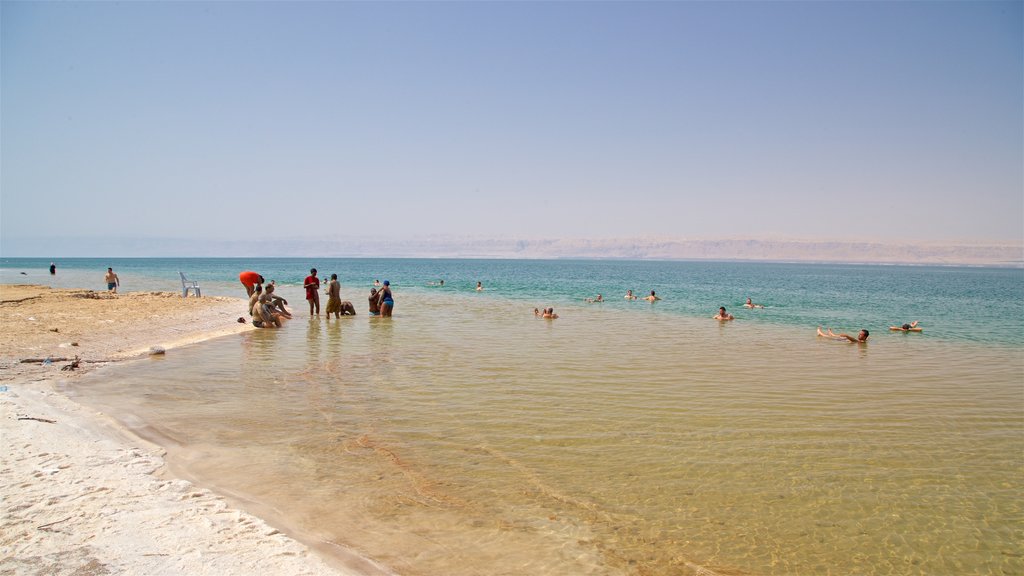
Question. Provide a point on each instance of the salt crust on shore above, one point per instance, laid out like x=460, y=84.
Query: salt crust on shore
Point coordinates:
x=80, y=494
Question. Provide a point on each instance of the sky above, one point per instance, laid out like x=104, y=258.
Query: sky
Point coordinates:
x=238, y=120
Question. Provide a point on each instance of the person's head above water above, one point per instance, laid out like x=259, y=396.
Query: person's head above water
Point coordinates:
x=863, y=335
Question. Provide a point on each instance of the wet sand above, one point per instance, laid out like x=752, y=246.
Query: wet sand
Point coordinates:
x=81, y=495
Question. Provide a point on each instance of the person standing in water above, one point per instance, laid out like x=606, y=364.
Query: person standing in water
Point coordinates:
x=250, y=279
x=112, y=281
x=333, y=297
x=312, y=286
x=53, y=269
x=385, y=300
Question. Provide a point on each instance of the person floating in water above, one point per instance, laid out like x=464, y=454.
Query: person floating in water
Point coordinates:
x=593, y=300
x=862, y=336
x=750, y=304
x=723, y=315
x=652, y=297
x=545, y=313
x=912, y=327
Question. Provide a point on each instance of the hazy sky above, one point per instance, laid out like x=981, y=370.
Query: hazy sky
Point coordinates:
x=858, y=120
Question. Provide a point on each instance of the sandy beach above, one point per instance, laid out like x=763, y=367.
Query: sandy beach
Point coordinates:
x=81, y=495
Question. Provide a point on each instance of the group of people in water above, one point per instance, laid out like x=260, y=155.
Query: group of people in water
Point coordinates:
x=268, y=309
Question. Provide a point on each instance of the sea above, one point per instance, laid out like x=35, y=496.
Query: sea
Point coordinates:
x=466, y=436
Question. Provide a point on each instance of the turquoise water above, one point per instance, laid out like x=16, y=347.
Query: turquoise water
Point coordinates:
x=466, y=436
x=957, y=304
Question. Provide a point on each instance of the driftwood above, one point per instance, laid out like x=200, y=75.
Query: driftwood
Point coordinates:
x=42, y=360
x=37, y=419
x=46, y=526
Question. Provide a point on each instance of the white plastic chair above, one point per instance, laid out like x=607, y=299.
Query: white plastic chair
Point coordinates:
x=187, y=285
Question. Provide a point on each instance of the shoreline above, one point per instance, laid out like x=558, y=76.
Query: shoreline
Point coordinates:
x=85, y=494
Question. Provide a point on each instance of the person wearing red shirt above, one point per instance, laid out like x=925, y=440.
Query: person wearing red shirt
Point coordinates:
x=312, y=286
x=250, y=279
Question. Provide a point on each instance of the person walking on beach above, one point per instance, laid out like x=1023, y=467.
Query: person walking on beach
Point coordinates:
x=250, y=279
x=112, y=281
x=312, y=286
x=386, y=302
x=333, y=297
x=862, y=336
x=53, y=269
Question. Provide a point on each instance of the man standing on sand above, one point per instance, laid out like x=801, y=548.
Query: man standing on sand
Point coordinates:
x=312, y=286
x=112, y=281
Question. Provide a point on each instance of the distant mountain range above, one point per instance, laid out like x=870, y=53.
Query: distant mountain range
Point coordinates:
x=947, y=253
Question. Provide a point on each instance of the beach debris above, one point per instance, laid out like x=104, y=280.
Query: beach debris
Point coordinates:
x=72, y=366
x=47, y=361
x=157, y=350
x=47, y=526
x=54, y=330
x=3, y=388
x=241, y=320
x=48, y=421
x=50, y=360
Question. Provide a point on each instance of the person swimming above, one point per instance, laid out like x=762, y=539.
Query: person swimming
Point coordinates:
x=750, y=304
x=630, y=295
x=723, y=315
x=653, y=297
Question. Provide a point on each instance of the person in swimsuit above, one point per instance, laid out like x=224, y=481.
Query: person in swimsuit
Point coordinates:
x=905, y=327
x=374, y=303
x=630, y=295
x=277, y=304
x=549, y=313
x=386, y=302
x=750, y=304
x=312, y=286
x=333, y=297
x=256, y=293
x=250, y=279
x=862, y=336
x=479, y=287
x=53, y=269
x=112, y=281
x=723, y=315
x=652, y=297
x=593, y=300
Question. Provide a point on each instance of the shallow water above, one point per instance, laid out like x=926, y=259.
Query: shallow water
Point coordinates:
x=466, y=436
